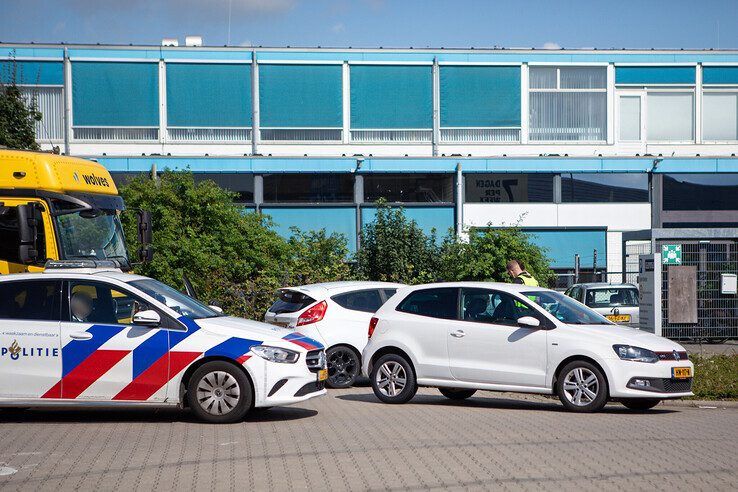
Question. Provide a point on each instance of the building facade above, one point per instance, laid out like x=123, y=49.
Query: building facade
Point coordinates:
x=574, y=146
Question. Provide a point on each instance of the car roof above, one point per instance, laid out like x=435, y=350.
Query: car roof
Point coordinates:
x=604, y=285
x=331, y=288
x=75, y=273
x=502, y=286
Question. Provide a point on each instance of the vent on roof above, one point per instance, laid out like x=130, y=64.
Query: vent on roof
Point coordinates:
x=193, y=40
x=170, y=42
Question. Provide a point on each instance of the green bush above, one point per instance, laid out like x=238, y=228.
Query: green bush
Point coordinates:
x=715, y=377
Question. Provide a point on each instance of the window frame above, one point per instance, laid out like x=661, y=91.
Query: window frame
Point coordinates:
x=529, y=90
x=457, y=304
x=280, y=202
x=59, y=298
x=546, y=324
x=715, y=89
x=366, y=177
x=570, y=175
x=167, y=321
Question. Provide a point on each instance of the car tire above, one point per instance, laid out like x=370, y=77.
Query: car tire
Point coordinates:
x=457, y=393
x=640, y=404
x=393, y=379
x=219, y=392
x=577, y=389
x=344, y=366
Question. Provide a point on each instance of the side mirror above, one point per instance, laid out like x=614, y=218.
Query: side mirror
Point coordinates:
x=529, y=322
x=145, y=251
x=217, y=309
x=27, y=226
x=148, y=318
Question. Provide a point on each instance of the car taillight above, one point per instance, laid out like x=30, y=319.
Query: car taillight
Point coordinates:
x=313, y=315
x=372, y=325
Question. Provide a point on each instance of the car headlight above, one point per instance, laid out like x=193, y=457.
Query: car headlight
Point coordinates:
x=276, y=354
x=635, y=354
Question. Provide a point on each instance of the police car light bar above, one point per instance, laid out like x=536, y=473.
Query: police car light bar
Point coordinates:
x=77, y=264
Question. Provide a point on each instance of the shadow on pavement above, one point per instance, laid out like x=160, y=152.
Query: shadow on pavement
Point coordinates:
x=498, y=403
x=137, y=415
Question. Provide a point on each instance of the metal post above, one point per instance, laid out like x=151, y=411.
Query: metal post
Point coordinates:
x=576, y=268
x=254, y=104
x=67, y=100
x=459, y=200
x=436, y=106
x=258, y=191
x=594, y=266
x=358, y=200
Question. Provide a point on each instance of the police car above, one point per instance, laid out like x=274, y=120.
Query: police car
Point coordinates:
x=86, y=333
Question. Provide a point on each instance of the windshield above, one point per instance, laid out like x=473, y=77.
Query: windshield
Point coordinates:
x=174, y=299
x=566, y=309
x=98, y=237
x=611, y=297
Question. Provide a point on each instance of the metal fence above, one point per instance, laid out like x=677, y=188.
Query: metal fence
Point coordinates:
x=717, y=314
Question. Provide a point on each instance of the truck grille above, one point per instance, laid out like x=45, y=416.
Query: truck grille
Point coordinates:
x=315, y=360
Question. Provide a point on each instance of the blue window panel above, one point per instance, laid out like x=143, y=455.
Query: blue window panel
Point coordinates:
x=561, y=245
x=32, y=72
x=208, y=95
x=115, y=94
x=428, y=218
x=391, y=97
x=720, y=75
x=480, y=96
x=340, y=220
x=654, y=75
x=301, y=96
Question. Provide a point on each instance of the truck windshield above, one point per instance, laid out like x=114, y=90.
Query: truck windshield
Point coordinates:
x=95, y=236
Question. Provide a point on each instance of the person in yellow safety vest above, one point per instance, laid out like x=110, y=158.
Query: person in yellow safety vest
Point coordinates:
x=517, y=271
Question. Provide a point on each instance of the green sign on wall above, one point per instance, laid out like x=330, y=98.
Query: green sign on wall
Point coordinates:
x=671, y=254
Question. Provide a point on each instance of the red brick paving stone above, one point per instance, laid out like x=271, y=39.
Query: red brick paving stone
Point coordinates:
x=350, y=441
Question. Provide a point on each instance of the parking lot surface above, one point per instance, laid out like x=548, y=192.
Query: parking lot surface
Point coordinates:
x=349, y=441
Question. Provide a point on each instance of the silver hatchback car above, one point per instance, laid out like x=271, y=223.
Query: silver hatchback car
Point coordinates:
x=616, y=302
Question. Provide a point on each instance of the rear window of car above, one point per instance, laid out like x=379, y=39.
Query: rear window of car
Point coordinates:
x=291, y=301
x=602, y=298
x=367, y=301
x=435, y=303
x=36, y=300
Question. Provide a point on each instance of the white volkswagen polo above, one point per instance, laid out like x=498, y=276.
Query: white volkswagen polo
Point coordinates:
x=91, y=336
x=469, y=336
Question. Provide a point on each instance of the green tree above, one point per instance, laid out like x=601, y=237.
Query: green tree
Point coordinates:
x=233, y=258
x=395, y=249
x=17, y=116
x=484, y=256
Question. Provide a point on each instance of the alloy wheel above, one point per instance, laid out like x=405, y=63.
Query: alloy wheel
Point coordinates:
x=581, y=386
x=218, y=392
x=341, y=367
x=391, y=378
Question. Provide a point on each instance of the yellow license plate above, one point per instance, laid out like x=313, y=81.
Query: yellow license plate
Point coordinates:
x=619, y=318
x=681, y=372
x=322, y=374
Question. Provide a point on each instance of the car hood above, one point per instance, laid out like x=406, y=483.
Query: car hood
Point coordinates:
x=229, y=326
x=618, y=334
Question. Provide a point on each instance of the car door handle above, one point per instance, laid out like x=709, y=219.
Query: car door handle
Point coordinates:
x=458, y=333
x=82, y=335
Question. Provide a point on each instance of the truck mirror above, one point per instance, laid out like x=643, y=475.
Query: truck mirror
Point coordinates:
x=28, y=228
x=146, y=251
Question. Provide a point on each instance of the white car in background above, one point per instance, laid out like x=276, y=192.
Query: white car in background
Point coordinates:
x=616, y=302
x=336, y=313
x=467, y=336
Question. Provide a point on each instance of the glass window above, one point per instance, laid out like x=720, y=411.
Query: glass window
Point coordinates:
x=670, y=116
x=10, y=234
x=291, y=301
x=720, y=116
x=389, y=293
x=308, y=188
x=509, y=188
x=95, y=302
x=565, y=309
x=367, y=301
x=604, y=187
x=36, y=300
x=630, y=118
x=700, y=191
x=95, y=234
x=568, y=103
x=611, y=297
x=174, y=299
x=434, y=303
x=487, y=306
x=409, y=188
x=240, y=183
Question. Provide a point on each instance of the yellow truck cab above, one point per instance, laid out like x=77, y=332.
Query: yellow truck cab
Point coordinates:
x=55, y=207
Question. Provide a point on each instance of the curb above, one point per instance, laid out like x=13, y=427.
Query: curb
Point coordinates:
x=700, y=403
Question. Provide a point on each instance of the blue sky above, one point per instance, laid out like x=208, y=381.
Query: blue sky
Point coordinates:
x=373, y=23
